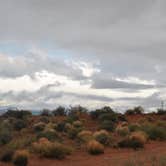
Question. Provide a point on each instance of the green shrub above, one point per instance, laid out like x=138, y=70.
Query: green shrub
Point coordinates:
x=72, y=132
x=61, y=126
x=134, y=127
x=154, y=132
x=128, y=143
x=21, y=158
x=108, y=117
x=21, y=142
x=20, y=114
x=135, y=140
x=60, y=111
x=49, y=134
x=102, y=136
x=122, y=131
x=44, y=119
x=107, y=125
x=19, y=124
x=95, y=148
x=5, y=136
x=38, y=127
x=85, y=136
x=6, y=155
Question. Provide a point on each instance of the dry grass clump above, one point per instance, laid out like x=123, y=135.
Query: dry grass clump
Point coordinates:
x=85, y=136
x=21, y=158
x=140, y=136
x=47, y=149
x=77, y=124
x=102, y=136
x=135, y=140
x=122, y=130
x=94, y=147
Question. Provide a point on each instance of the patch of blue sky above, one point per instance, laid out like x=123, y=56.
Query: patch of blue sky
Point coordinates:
x=12, y=48
x=55, y=51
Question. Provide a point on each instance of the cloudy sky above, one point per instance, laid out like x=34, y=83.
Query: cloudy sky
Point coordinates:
x=87, y=52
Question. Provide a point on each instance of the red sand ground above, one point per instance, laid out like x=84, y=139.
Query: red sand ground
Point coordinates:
x=111, y=157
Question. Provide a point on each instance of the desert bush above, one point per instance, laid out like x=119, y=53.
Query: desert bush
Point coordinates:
x=20, y=114
x=38, y=127
x=5, y=136
x=6, y=155
x=60, y=111
x=154, y=132
x=122, y=117
x=161, y=123
x=47, y=149
x=21, y=158
x=136, y=110
x=44, y=119
x=77, y=124
x=139, y=135
x=45, y=112
x=72, y=132
x=161, y=112
x=85, y=136
x=68, y=127
x=135, y=140
x=107, y=125
x=134, y=127
x=94, y=147
x=108, y=117
x=19, y=124
x=102, y=136
x=95, y=114
x=127, y=143
x=122, y=131
x=61, y=126
x=50, y=134
x=21, y=143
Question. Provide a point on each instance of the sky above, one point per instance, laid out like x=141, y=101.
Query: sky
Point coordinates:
x=82, y=52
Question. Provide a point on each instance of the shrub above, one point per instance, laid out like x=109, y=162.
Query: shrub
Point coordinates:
x=134, y=127
x=161, y=112
x=39, y=126
x=19, y=124
x=21, y=158
x=122, y=131
x=5, y=136
x=49, y=134
x=45, y=112
x=44, y=119
x=102, y=136
x=61, y=126
x=60, y=111
x=107, y=125
x=128, y=143
x=154, y=132
x=21, y=143
x=135, y=140
x=68, y=127
x=136, y=110
x=72, y=132
x=95, y=148
x=77, y=124
x=20, y=114
x=48, y=149
x=140, y=136
x=85, y=136
x=95, y=114
x=108, y=117
x=6, y=155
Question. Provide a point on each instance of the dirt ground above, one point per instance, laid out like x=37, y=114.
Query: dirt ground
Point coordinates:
x=111, y=157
